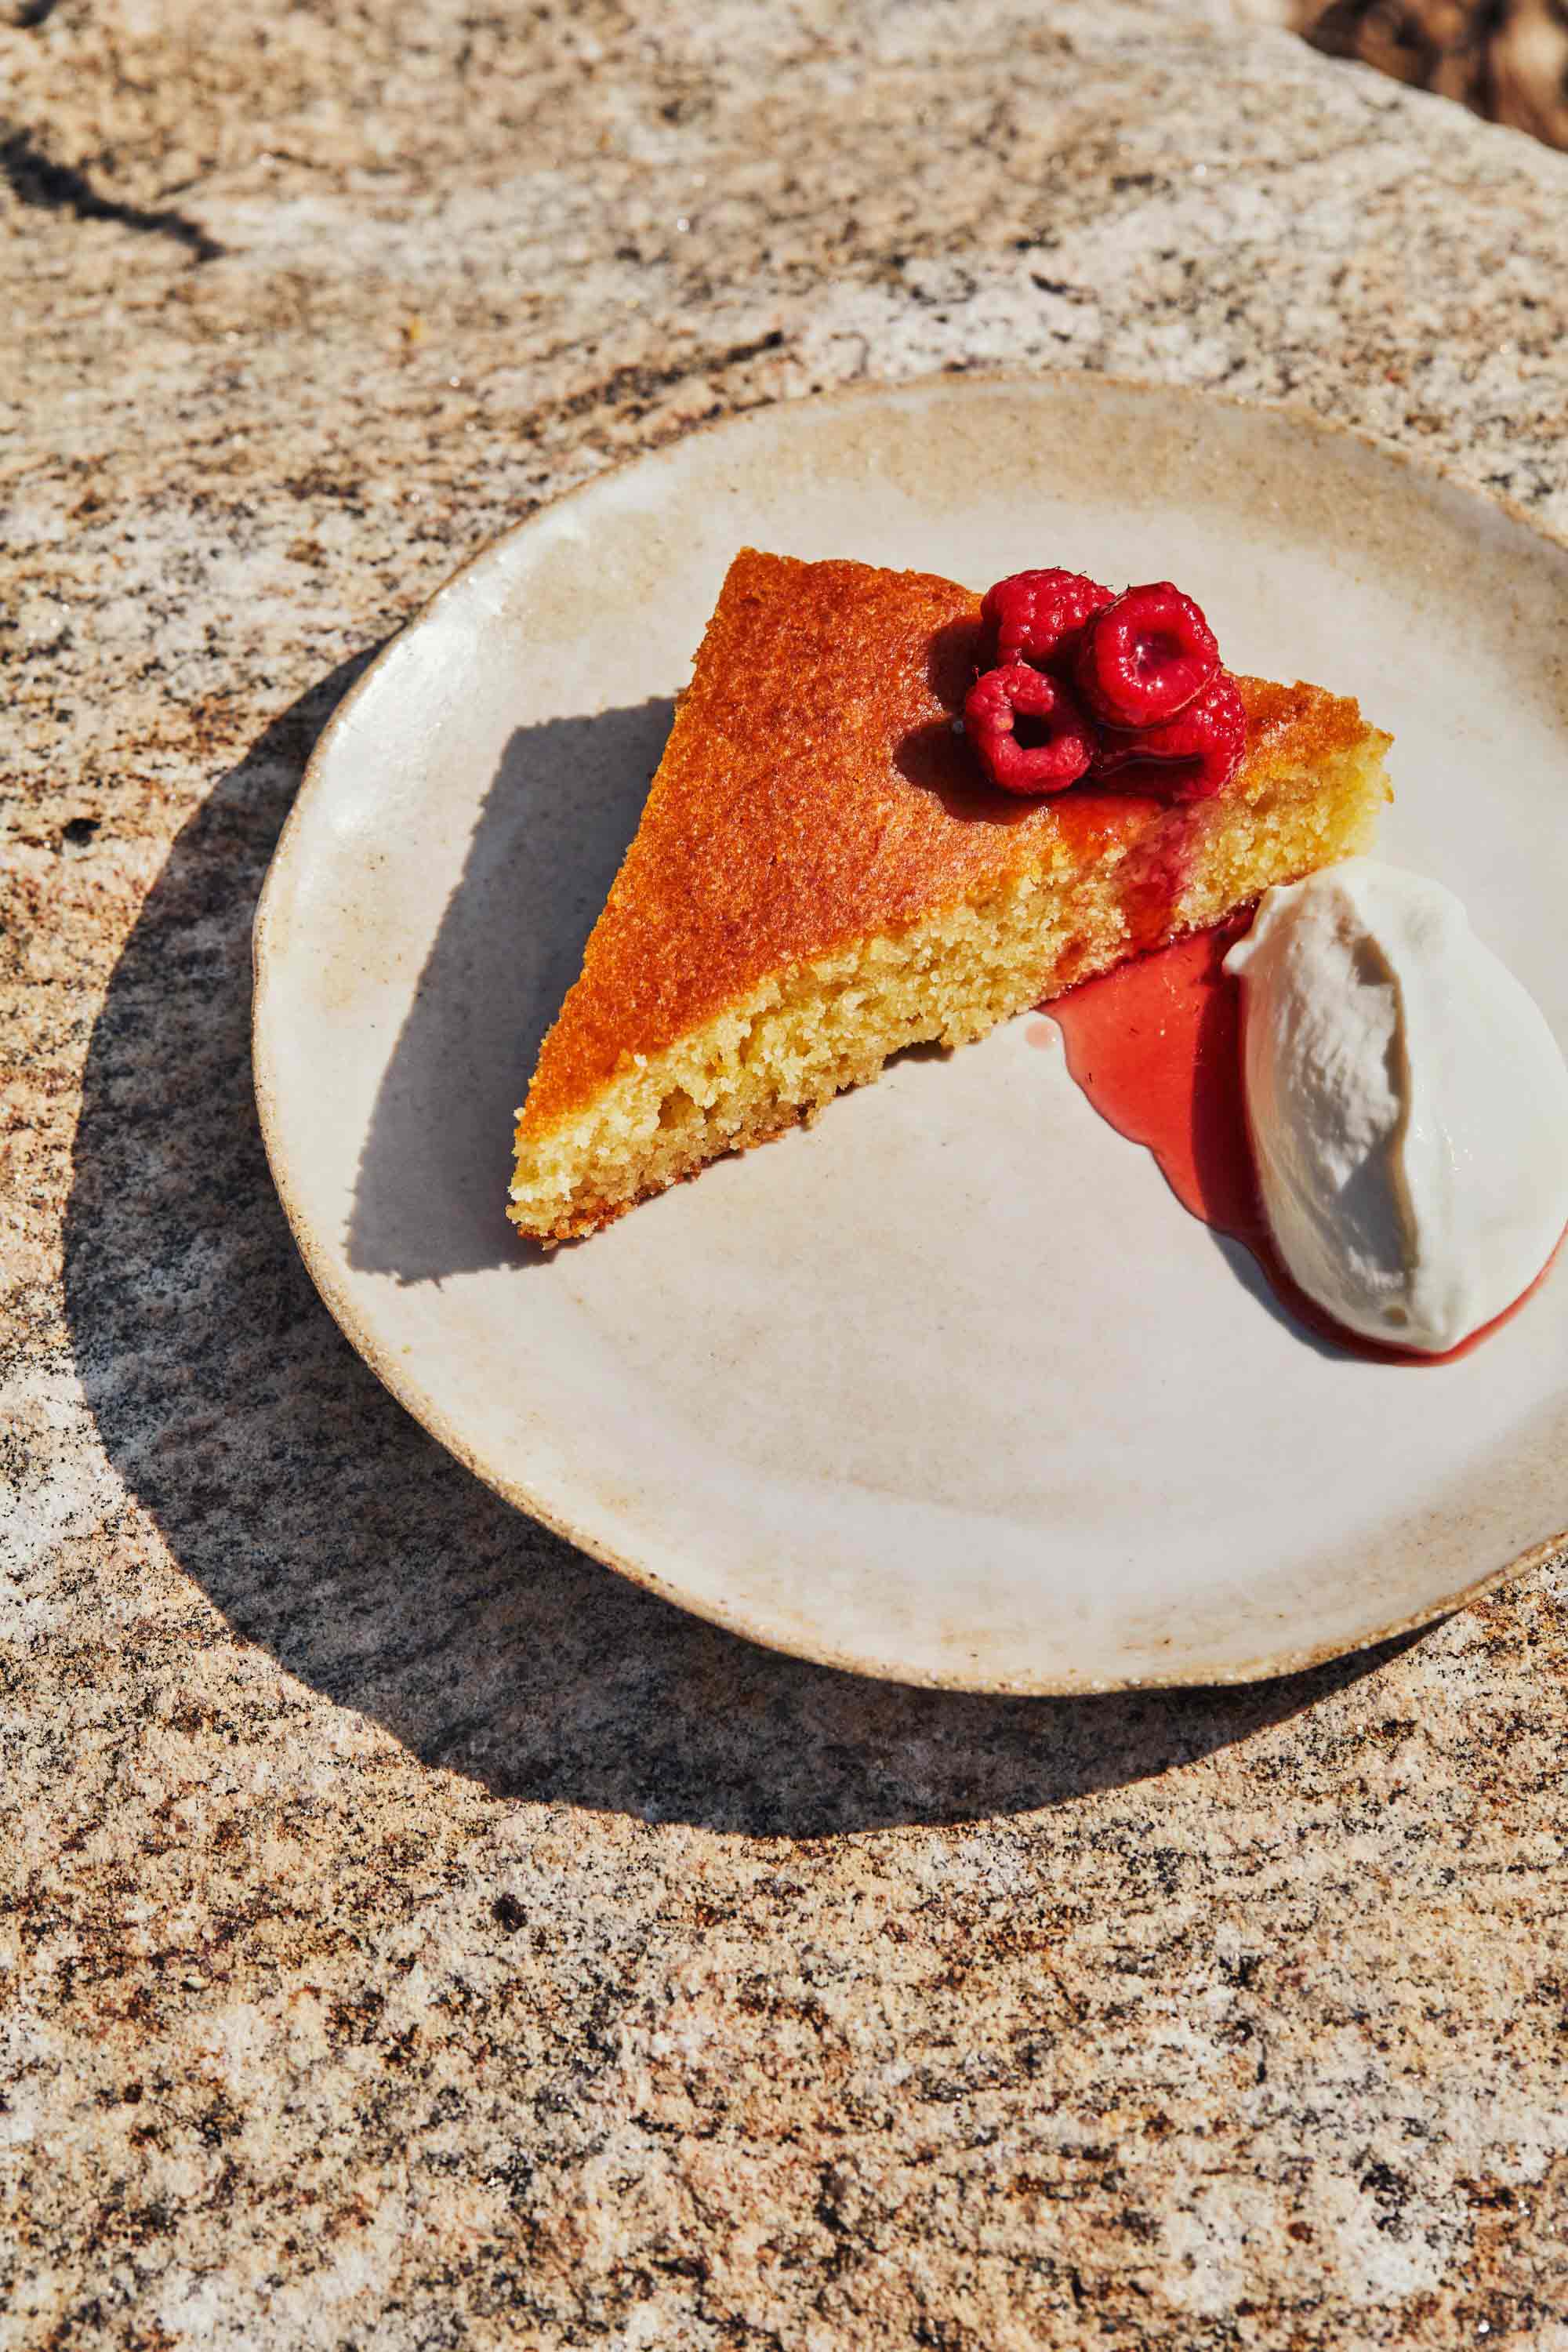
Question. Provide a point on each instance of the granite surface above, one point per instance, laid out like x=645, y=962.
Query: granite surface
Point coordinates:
x=411, y=1935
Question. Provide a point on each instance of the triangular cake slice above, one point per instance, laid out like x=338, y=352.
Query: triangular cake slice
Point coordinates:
x=822, y=874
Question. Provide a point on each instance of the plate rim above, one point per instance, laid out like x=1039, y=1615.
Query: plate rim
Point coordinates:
x=408, y=1391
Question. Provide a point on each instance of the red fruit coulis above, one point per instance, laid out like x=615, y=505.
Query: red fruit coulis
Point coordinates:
x=1156, y=1047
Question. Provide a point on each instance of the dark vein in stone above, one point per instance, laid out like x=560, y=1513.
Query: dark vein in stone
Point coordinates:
x=37, y=179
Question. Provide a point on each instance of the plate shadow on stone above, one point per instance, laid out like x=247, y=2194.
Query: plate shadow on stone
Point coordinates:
x=553, y=828
x=331, y=1531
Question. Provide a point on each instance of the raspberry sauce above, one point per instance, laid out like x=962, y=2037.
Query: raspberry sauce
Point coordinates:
x=1156, y=1047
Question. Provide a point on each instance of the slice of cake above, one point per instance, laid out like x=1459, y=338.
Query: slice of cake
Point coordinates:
x=823, y=874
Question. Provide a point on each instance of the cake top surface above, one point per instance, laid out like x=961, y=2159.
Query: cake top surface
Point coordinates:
x=814, y=791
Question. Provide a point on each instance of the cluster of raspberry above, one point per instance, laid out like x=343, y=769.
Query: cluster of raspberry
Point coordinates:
x=1084, y=682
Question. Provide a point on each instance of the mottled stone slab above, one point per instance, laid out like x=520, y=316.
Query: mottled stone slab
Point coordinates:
x=412, y=1935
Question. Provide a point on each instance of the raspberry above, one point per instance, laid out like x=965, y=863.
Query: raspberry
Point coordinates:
x=1037, y=614
x=1028, y=730
x=1200, y=750
x=1145, y=657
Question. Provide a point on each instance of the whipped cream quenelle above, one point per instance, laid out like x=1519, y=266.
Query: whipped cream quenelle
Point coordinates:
x=1407, y=1104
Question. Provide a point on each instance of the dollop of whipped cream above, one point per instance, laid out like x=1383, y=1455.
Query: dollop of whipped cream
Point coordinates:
x=1407, y=1105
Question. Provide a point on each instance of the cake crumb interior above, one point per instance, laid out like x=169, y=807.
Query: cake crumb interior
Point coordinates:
x=779, y=1053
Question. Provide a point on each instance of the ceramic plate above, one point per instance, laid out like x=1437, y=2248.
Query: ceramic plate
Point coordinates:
x=949, y=1387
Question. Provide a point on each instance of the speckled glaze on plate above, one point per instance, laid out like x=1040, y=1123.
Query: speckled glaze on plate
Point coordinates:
x=949, y=1387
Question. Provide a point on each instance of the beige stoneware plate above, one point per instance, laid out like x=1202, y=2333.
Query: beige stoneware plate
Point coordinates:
x=950, y=1388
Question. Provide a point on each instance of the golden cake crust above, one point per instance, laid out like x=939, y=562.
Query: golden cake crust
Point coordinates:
x=816, y=744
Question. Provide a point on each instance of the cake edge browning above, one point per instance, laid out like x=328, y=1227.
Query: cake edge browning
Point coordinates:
x=834, y=661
